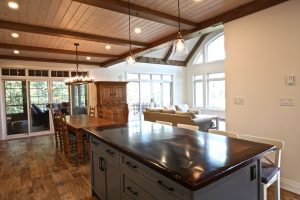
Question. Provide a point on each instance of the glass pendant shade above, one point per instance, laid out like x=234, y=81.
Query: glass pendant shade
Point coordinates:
x=130, y=60
x=179, y=46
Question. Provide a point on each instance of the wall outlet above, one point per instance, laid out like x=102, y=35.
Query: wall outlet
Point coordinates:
x=286, y=101
x=238, y=101
x=291, y=79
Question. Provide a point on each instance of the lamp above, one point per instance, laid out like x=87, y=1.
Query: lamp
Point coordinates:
x=179, y=46
x=78, y=79
x=130, y=60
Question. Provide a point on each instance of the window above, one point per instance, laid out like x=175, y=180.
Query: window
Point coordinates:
x=215, y=49
x=60, y=92
x=39, y=93
x=216, y=91
x=14, y=96
x=13, y=72
x=79, y=95
x=212, y=51
x=209, y=91
x=148, y=90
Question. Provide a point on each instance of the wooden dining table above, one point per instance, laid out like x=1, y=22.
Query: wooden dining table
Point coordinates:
x=76, y=123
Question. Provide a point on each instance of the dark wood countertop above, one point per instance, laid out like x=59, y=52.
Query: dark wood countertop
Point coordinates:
x=192, y=159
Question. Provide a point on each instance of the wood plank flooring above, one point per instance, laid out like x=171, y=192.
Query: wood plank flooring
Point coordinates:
x=32, y=168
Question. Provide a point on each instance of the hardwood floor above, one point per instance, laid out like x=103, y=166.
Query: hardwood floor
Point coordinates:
x=31, y=168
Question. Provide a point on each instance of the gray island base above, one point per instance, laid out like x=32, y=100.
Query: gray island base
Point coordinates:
x=147, y=161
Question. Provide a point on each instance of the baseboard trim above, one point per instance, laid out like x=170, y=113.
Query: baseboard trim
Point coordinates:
x=290, y=185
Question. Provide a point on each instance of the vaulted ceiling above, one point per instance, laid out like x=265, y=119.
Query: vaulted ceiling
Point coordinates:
x=48, y=28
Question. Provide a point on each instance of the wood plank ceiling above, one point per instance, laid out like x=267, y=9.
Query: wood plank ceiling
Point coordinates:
x=48, y=28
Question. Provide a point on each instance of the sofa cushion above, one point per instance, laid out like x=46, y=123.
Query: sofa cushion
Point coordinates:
x=153, y=109
x=182, y=107
x=169, y=111
x=193, y=116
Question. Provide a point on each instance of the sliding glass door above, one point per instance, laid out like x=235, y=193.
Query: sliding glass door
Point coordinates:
x=16, y=107
x=39, y=113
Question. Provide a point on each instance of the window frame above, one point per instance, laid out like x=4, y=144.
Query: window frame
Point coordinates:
x=205, y=80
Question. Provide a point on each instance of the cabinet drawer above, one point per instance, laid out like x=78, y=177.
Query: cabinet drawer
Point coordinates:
x=153, y=182
x=106, y=151
x=133, y=191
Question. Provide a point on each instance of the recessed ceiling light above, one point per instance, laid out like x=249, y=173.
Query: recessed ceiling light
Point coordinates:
x=137, y=30
x=13, y=5
x=15, y=35
x=16, y=51
x=88, y=58
x=108, y=47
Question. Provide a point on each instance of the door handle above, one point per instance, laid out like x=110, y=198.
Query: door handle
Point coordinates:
x=102, y=164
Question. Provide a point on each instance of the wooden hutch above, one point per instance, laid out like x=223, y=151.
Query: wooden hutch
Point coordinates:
x=112, y=100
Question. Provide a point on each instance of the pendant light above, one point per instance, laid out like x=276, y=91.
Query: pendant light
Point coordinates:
x=130, y=60
x=179, y=46
x=78, y=79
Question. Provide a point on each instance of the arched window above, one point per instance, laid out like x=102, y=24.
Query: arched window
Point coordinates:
x=215, y=49
x=212, y=51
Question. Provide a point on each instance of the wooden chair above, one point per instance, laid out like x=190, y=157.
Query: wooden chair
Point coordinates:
x=224, y=133
x=163, y=122
x=92, y=112
x=57, y=132
x=270, y=169
x=190, y=127
x=69, y=139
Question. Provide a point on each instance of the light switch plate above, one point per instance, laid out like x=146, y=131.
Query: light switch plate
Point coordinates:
x=238, y=101
x=286, y=101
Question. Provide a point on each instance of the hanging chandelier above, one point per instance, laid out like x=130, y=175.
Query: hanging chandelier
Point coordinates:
x=179, y=46
x=78, y=79
x=130, y=60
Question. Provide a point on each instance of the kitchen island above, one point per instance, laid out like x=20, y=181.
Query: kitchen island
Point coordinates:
x=145, y=160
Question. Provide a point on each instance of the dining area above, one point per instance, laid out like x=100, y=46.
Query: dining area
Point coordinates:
x=68, y=134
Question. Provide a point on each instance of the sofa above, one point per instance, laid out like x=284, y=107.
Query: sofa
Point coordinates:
x=204, y=122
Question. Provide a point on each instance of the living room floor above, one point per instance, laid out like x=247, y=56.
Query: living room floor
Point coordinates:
x=32, y=168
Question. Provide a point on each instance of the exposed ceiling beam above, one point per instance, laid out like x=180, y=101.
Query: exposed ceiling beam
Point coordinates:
x=203, y=27
x=66, y=33
x=140, y=12
x=169, y=53
x=159, y=61
x=196, y=46
x=48, y=60
x=56, y=51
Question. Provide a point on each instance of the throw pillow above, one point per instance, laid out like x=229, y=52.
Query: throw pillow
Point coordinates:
x=182, y=107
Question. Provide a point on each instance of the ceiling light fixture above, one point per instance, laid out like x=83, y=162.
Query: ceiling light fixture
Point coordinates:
x=88, y=58
x=179, y=46
x=13, y=5
x=108, y=47
x=130, y=60
x=137, y=30
x=78, y=79
x=15, y=35
x=16, y=51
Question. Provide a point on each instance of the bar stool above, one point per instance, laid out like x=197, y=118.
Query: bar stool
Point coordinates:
x=224, y=133
x=270, y=169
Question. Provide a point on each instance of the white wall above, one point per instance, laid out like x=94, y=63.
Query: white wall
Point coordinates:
x=118, y=73
x=261, y=49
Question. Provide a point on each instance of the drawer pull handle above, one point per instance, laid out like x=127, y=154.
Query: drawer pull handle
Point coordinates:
x=131, y=165
x=110, y=152
x=165, y=186
x=131, y=191
x=95, y=143
x=102, y=164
